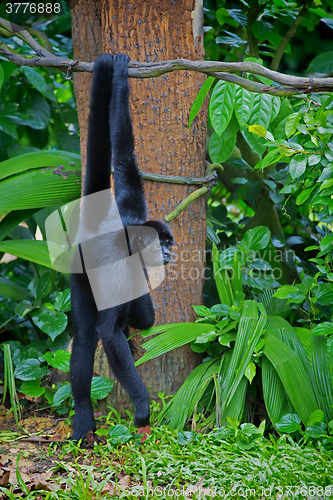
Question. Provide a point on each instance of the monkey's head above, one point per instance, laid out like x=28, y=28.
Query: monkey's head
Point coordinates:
x=154, y=238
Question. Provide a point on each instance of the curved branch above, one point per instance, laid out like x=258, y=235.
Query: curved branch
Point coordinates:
x=288, y=84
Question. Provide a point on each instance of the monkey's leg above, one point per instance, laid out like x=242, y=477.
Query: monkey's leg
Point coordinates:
x=84, y=315
x=110, y=326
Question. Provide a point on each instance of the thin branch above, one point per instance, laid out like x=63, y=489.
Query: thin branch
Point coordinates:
x=185, y=203
x=289, y=35
x=289, y=85
x=209, y=179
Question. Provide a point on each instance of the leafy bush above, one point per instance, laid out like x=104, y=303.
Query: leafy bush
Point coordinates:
x=247, y=341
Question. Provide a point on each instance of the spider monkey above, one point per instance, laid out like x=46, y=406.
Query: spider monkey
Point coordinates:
x=110, y=138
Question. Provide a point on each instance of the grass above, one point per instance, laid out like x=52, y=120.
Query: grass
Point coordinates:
x=172, y=464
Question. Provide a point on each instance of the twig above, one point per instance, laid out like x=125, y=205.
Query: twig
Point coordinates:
x=291, y=85
x=185, y=203
x=209, y=179
x=289, y=35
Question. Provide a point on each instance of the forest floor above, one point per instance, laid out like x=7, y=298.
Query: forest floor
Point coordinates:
x=38, y=462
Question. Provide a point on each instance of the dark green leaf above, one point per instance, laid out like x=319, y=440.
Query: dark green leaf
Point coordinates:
x=100, y=387
x=58, y=359
x=35, y=78
x=13, y=290
x=62, y=394
x=297, y=166
x=32, y=388
x=323, y=329
x=63, y=301
x=198, y=101
x=52, y=323
x=256, y=238
x=29, y=369
x=289, y=423
x=40, y=287
x=221, y=105
x=119, y=434
x=323, y=63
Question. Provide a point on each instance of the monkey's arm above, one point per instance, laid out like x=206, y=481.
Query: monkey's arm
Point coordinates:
x=98, y=166
x=130, y=196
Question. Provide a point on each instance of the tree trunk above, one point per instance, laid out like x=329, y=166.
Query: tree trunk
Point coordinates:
x=156, y=31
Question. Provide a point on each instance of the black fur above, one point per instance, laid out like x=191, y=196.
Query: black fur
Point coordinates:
x=110, y=132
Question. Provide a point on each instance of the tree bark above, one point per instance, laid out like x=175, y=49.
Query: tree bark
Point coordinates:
x=155, y=31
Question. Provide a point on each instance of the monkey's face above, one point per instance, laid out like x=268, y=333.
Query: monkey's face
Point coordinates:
x=166, y=250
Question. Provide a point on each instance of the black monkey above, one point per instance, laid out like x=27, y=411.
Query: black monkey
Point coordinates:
x=110, y=137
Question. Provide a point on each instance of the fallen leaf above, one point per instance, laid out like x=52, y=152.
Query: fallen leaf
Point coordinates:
x=91, y=438
x=145, y=431
x=197, y=487
x=4, y=479
x=125, y=481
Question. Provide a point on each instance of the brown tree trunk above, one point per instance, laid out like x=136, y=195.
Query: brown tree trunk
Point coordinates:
x=156, y=31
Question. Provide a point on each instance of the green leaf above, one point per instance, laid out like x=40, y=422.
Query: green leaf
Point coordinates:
x=326, y=244
x=202, y=311
x=292, y=374
x=297, y=166
x=323, y=329
x=275, y=398
x=262, y=29
x=62, y=394
x=8, y=128
x=323, y=63
x=12, y=220
x=206, y=337
x=198, y=101
x=260, y=264
x=36, y=251
x=58, y=359
x=321, y=375
x=29, y=369
x=100, y=387
x=256, y=238
x=13, y=290
x=284, y=292
x=243, y=105
x=291, y=124
x=174, y=335
x=304, y=195
x=40, y=159
x=221, y=148
x=255, y=141
x=187, y=397
x=32, y=388
x=220, y=309
x=23, y=308
x=119, y=434
x=289, y=423
x=1, y=75
x=315, y=417
x=250, y=371
x=314, y=159
x=316, y=430
x=35, y=78
x=41, y=111
x=63, y=301
x=40, y=287
x=52, y=323
x=221, y=105
x=262, y=110
x=271, y=157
